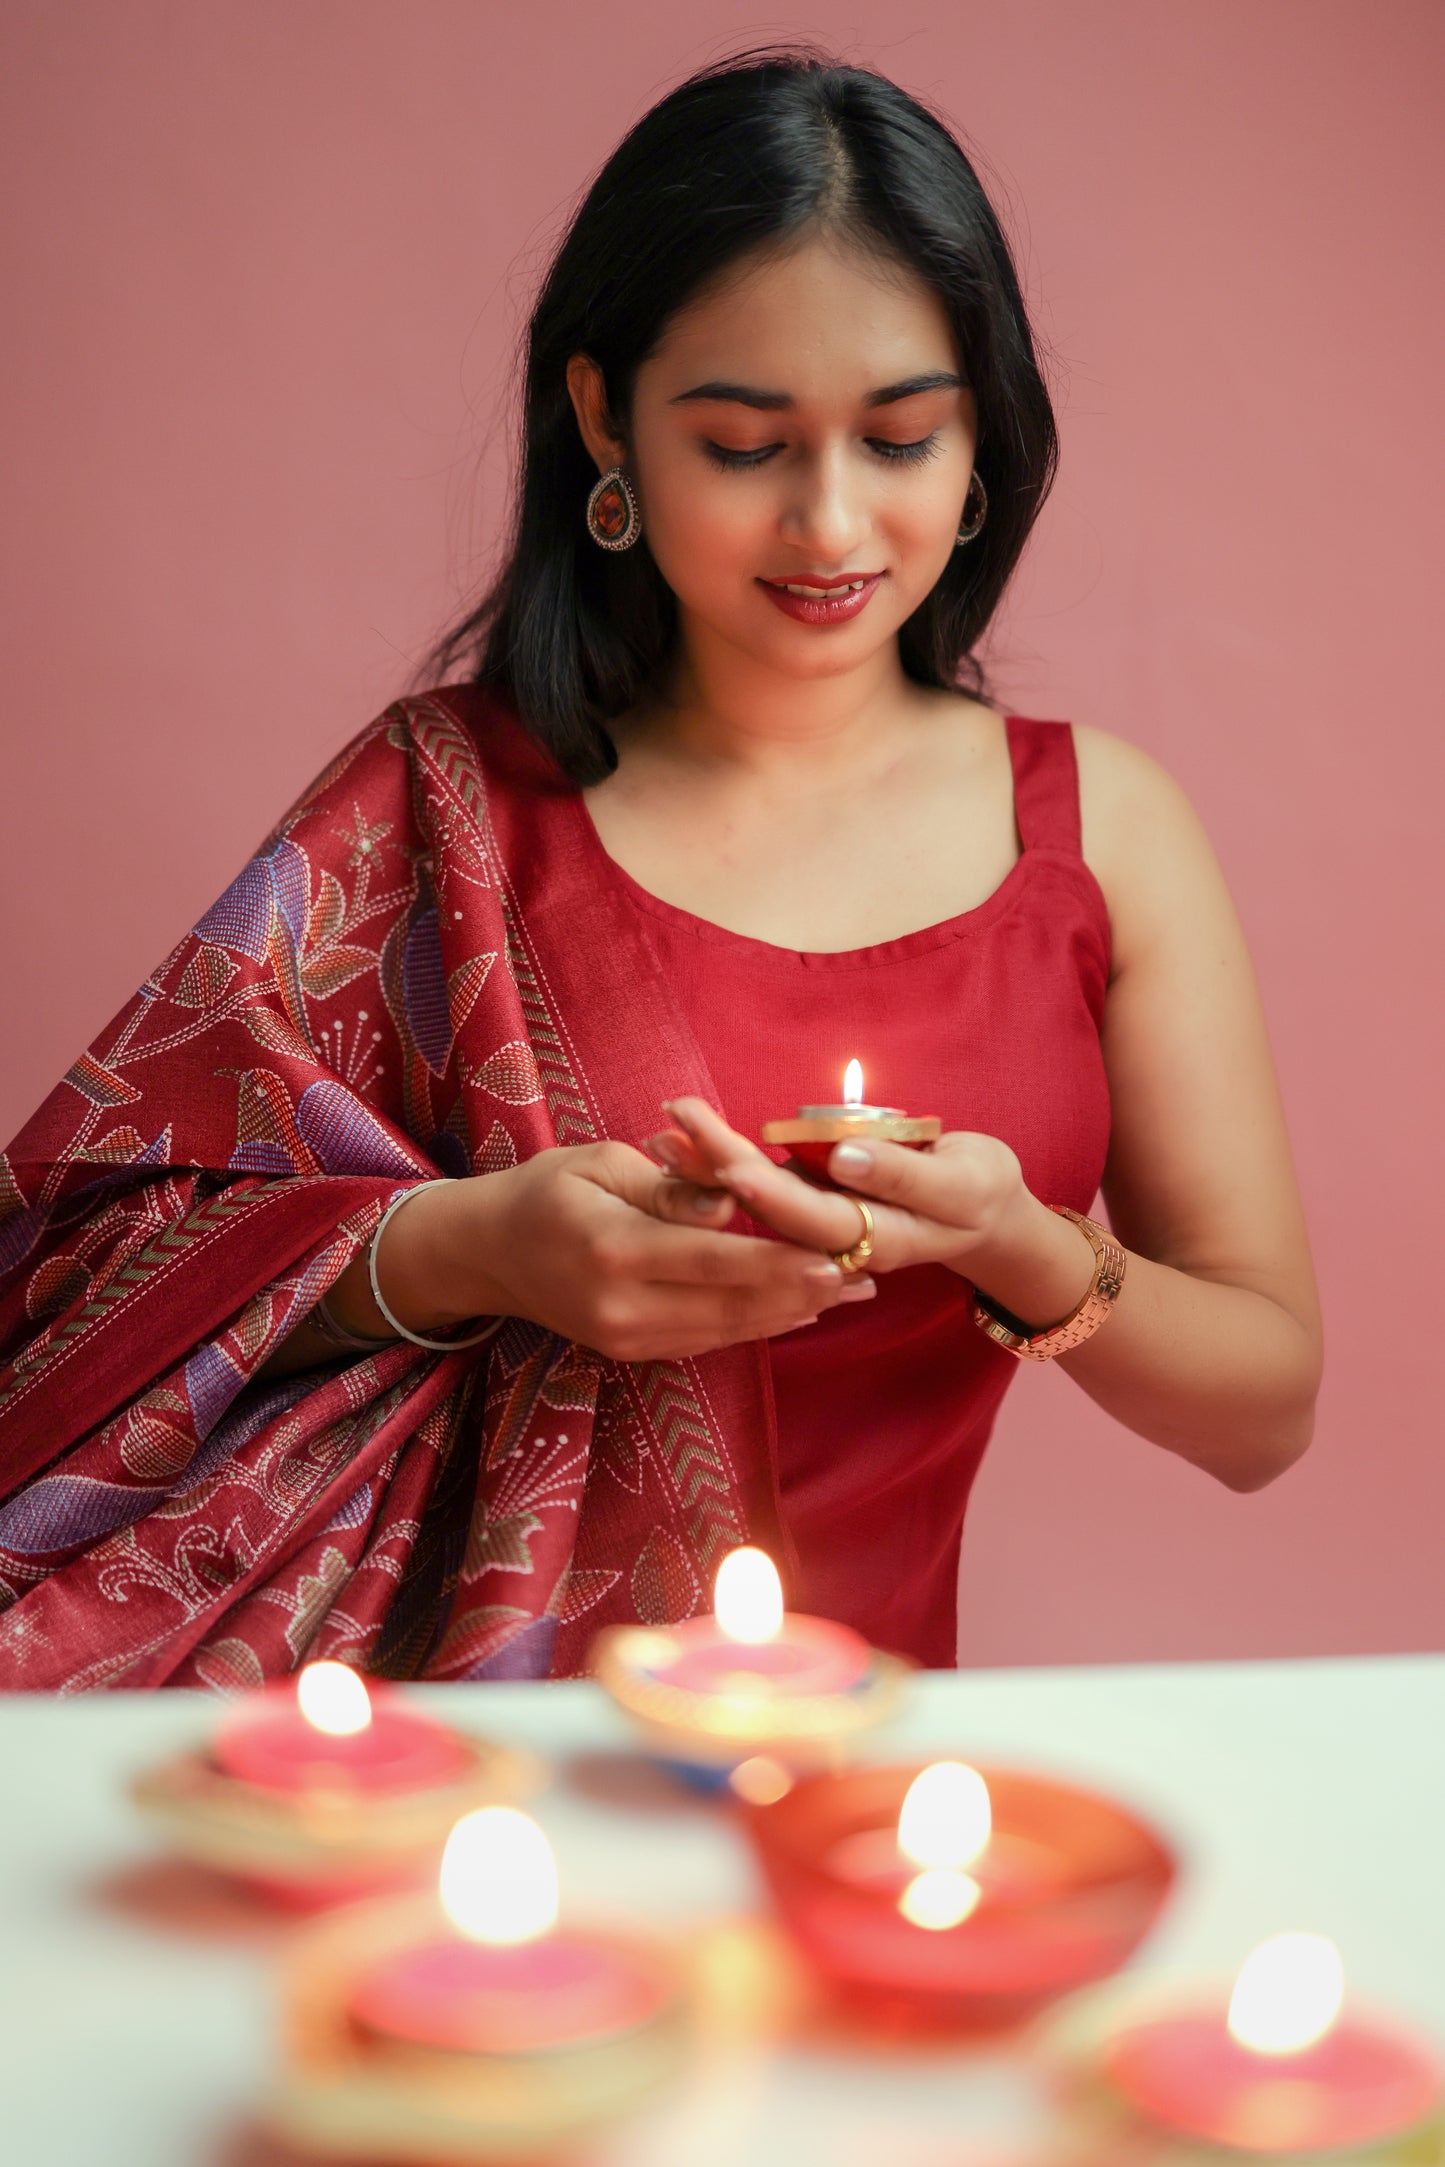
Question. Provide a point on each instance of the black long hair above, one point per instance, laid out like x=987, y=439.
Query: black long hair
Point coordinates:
x=751, y=152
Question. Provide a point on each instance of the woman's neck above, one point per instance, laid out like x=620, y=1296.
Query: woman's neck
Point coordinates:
x=725, y=711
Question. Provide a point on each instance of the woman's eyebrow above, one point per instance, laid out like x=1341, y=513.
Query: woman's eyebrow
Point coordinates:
x=773, y=402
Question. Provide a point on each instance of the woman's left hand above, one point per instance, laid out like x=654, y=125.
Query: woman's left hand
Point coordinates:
x=961, y=1203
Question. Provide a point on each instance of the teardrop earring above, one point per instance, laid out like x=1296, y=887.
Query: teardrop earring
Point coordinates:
x=971, y=529
x=613, y=520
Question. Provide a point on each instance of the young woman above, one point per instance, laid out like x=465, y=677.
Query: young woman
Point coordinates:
x=399, y=1276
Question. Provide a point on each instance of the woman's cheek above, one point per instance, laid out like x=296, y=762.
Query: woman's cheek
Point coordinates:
x=704, y=545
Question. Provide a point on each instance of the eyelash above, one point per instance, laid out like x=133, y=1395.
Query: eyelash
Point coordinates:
x=912, y=454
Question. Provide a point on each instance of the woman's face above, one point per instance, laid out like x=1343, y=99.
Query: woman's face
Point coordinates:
x=803, y=426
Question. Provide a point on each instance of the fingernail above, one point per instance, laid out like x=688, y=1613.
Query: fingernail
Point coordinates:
x=823, y=1275
x=859, y=1290
x=666, y=1148
x=708, y=1201
x=851, y=1159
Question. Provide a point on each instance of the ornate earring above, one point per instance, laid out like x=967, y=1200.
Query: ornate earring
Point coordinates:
x=613, y=520
x=972, y=528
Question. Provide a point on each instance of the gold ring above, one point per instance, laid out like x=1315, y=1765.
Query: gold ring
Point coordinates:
x=854, y=1259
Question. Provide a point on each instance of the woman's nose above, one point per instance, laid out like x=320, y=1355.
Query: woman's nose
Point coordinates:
x=826, y=514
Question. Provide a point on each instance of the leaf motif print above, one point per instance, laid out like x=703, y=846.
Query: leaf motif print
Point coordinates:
x=664, y=1586
x=510, y=1074
x=465, y=983
x=500, y=1545
x=275, y=1034
x=230, y=1666
x=498, y=1151
x=204, y=979
x=94, y=1081
x=55, y=1285
x=325, y=974
x=328, y=912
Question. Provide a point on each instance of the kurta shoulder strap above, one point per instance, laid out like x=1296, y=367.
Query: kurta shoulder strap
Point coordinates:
x=1046, y=784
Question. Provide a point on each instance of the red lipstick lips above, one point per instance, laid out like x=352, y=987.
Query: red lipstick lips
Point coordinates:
x=822, y=601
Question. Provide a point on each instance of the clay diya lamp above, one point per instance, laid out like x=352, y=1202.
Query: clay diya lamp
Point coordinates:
x=315, y=1790
x=752, y=1681
x=811, y=1134
x=958, y=1896
x=476, y=2026
x=1282, y=2067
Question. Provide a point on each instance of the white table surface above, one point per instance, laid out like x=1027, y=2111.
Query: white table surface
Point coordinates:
x=1301, y=1794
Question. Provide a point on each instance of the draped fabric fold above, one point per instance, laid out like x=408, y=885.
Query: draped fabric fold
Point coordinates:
x=415, y=975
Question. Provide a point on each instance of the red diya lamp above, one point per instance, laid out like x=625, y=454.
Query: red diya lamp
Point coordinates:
x=476, y=2026
x=813, y=1132
x=956, y=1895
x=1282, y=2069
x=752, y=1680
x=315, y=1789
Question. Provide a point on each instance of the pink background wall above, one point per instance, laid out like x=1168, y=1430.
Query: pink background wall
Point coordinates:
x=263, y=271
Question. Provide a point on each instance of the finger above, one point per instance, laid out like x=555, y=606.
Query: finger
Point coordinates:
x=674, y=1149
x=958, y=1182
x=802, y=1211
x=676, y=1255
x=686, y=1203
x=690, y=1319
x=716, y=1144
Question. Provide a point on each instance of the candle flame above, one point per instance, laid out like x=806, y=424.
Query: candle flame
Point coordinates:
x=853, y=1084
x=499, y=1878
x=1287, y=1995
x=939, y=1897
x=946, y=1818
x=333, y=1699
x=748, y=1597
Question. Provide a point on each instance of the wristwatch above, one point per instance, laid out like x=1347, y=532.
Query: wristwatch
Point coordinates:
x=1041, y=1345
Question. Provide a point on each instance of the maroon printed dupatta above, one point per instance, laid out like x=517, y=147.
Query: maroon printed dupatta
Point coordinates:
x=417, y=975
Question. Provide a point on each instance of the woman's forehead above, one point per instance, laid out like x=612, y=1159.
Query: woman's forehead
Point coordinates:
x=819, y=320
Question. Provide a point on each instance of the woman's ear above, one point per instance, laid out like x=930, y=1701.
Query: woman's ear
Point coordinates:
x=588, y=394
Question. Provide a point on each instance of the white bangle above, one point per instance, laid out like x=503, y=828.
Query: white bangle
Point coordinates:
x=435, y=1346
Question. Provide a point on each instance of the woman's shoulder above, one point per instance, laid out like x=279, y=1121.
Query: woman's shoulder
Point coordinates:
x=1126, y=796
x=1143, y=840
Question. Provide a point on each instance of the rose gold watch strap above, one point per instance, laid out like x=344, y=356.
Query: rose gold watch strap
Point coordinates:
x=1082, y=1322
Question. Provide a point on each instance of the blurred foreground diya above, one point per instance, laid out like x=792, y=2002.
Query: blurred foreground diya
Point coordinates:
x=955, y=1895
x=473, y=2025
x=750, y=1682
x=1281, y=2067
x=316, y=1790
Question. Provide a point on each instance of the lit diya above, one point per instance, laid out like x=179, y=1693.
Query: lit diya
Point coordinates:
x=1279, y=2067
x=814, y=1130
x=473, y=2027
x=958, y=1895
x=751, y=1680
x=316, y=1789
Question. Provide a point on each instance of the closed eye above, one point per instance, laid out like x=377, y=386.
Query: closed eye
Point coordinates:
x=910, y=454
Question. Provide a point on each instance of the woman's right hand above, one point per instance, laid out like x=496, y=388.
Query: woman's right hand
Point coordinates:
x=598, y=1244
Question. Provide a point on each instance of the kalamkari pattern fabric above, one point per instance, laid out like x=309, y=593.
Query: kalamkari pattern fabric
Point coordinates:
x=414, y=976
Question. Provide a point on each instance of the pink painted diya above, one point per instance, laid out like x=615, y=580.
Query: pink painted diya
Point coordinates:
x=812, y=1133
x=956, y=1895
x=475, y=2027
x=314, y=1790
x=1280, y=2068
x=751, y=1679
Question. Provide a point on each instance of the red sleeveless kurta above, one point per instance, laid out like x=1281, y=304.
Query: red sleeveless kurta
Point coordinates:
x=990, y=1020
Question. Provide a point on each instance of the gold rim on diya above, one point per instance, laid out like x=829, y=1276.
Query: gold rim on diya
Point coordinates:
x=350, y=2094
x=740, y=1720
x=835, y=1128
x=221, y=1821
